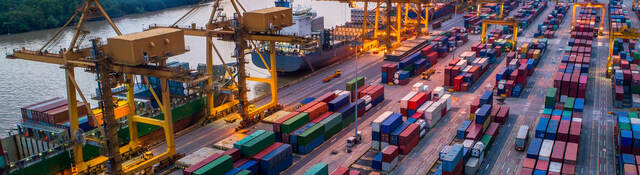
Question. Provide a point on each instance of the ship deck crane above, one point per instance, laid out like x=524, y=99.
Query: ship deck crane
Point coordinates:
x=509, y=22
x=480, y=2
x=97, y=59
x=624, y=33
x=588, y=4
x=244, y=31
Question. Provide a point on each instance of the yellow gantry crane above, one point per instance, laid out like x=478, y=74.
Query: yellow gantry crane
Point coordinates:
x=624, y=33
x=480, y=2
x=116, y=64
x=420, y=7
x=258, y=25
x=509, y=22
x=588, y=4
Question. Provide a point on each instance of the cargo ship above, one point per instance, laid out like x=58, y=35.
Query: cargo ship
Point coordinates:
x=327, y=46
x=39, y=145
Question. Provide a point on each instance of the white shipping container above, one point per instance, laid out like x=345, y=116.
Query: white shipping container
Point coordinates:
x=435, y=94
x=555, y=167
x=366, y=108
x=445, y=149
x=418, y=87
x=404, y=102
x=635, y=99
x=375, y=125
x=434, y=112
x=478, y=149
x=423, y=132
x=577, y=119
x=197, y=156
x=446, y=100
x=484, y=63
x=424, y=106
x=425, y=88
x=337, y=92
x=389, y=166
x=468, y=143
x=634, y=120
x=366, y=98
x=545, y=150
x=345, y=93
x=422, y=124
x=462, y=64
x=466, y=69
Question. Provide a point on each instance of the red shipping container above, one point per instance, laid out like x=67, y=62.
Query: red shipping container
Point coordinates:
x=568, y=169
x=457, y=83
x=234, y=153
x=574, y=132
x=542, y=165
x=571, y=153
x=266, y=151
x=558, y=151
x=340, y=171
x=555, y=117
x=276, y=125
x=454, y=61
x=317, y=110
x=494, y=111
x=475, y=132
x=326, y=97
x=361, y=91
x=563, y=130
x=526, y=171
x=458, y=170
x=321, y=117
x=474, y=105
x=502, y=115
x=306, y=106
x=389, y=153
x=418, y=115
x=376, y=91
x=426, y=50
x=409, y=138
x=61, y=114
x=630, y=169
x=577, y=114
x=354, y=172
x=529, y=163
x=202, y=163
x=492, y=130
x=433, y=58
x=417, y=100
x=240, y=162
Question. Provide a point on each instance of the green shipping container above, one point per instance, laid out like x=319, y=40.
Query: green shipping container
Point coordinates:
x=633, y=115
x=216, y=167
x=250, y=137
x=547, y=111
x=624, y=126
x=310, y=134
x=332, y=131
x=566, y=113
x=635, y=89
x=348, y=120
x=550, y=99
x=486, y=140
x=568, y=104
x=350, y=86
x=318, y=169
x=332, y=121
x=244, y=172
x=294, y=123
x=258, y=144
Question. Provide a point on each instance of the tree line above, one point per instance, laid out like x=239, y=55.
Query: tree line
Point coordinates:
x=27, y=15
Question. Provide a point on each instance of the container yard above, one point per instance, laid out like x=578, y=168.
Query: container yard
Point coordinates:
x=509, y=87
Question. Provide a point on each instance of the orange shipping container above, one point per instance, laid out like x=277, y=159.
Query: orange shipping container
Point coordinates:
x=317, y=110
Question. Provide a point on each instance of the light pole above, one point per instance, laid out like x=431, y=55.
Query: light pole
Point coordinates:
x=356, y=93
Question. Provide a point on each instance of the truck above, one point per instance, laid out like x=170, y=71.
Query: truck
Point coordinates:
x=522, y=137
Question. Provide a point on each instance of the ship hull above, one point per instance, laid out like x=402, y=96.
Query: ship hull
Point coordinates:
x=312, y=61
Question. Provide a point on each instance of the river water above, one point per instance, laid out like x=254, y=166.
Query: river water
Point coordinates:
x=25, y=82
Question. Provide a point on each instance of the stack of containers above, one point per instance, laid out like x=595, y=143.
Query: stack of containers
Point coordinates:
x=572, y=74
x=452, y=160
x=351, y=86
x=550, y=25
x=422, y=57
x=554, y=148
x=345, y=171
x=463, y=72
x=626, y=79
x=520, y=64
x=529, y=12
x=387, y=159
x=628, y=132
x=175, y=87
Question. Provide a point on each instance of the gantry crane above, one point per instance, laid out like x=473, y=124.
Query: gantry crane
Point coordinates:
x=243, y=31
x=588, y=4
x=508, y=22
x=422, y=5
x=480, y=2
x=624, y=33
x=113, y=68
